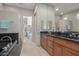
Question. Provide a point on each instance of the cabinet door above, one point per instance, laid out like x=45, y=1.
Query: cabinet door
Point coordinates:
x=41, y=40
x=50, y=47
x=69, y=52
x=50, y=43
x=57, y=49
x=50, y=51
x=44, y=42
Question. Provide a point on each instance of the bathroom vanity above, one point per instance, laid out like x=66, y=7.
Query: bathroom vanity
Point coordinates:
x=60, y=44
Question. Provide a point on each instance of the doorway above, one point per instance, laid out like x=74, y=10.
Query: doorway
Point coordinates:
x=27, y=27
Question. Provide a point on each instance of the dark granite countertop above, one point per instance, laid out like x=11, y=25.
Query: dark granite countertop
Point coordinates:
x=61, y=35
x=77, y=40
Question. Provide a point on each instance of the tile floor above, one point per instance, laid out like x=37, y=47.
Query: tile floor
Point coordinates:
x=30, y=49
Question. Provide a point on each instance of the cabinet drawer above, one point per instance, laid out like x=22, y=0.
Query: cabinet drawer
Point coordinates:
x=50, y=51
x=60, y=41
x=70, y=52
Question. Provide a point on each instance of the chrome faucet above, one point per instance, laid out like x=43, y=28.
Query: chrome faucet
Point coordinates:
x=5, y=49
x=7, y=37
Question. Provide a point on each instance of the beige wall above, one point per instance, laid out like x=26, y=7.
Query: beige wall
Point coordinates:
x=75, y=22
x=43, y=12
x=14, y=14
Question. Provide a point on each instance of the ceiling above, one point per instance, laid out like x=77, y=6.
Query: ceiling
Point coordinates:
x=22, y=5
x=63, y=7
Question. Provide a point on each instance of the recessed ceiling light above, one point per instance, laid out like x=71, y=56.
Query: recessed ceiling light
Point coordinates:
x=65, y=18
x=57, y=9
x=62, y=13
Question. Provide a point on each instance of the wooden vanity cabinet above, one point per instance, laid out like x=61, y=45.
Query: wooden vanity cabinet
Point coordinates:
x=66, y=47
x=56, y=46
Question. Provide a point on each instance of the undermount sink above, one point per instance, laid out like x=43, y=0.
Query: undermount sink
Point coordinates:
x=66, y=35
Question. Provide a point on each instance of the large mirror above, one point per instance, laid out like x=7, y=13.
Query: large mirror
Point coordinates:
x=65, y=25
x=46, y=25
x=43, y=25
x=68, y=23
